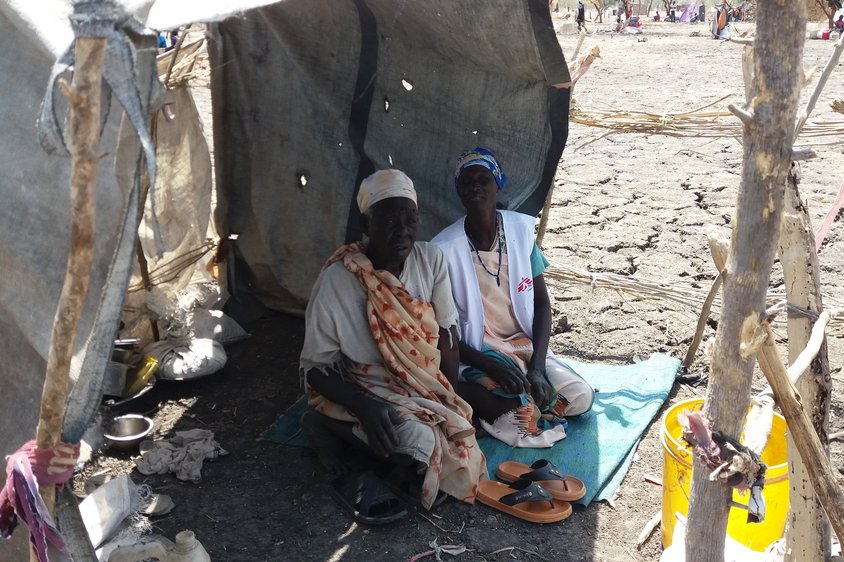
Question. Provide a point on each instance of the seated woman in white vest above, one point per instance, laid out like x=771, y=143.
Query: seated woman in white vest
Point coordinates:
x=507, y=373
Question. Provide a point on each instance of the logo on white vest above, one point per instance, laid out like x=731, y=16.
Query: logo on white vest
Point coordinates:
x=526, y=284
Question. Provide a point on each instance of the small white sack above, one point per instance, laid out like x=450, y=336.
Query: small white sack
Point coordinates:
x=216, y=325
x=181, y=360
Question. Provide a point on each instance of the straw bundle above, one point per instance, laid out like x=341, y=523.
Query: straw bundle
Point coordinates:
x=182, y=69
x=650, y=289
x=638, y=287
x=697, y=123
x=711, y=124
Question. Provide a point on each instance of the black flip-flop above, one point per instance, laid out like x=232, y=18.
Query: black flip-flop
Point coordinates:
x=367, y=499
x=561, y=486
x=523, y=499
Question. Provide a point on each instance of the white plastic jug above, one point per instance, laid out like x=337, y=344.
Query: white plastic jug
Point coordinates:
x=185, y=549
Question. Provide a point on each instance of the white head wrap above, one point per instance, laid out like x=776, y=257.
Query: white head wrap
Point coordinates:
x=384, y=184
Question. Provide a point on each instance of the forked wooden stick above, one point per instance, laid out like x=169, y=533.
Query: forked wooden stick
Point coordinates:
x=84, y=98
x=813, y=99
x=808, y=443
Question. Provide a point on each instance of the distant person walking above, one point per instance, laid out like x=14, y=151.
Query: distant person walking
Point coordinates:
x=581, y=15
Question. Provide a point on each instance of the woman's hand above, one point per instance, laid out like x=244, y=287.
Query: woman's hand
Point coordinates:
x=509, y=378
x=541, y=389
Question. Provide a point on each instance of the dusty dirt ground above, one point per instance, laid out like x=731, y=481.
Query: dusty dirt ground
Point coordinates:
x=630, y=204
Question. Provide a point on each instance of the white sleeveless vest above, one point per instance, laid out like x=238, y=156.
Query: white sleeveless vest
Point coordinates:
x=519, y=233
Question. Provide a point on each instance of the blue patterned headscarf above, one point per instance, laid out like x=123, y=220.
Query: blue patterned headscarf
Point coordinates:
x=480, y=157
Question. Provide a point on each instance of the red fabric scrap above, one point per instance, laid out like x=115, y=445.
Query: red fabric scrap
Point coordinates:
x=26, y=469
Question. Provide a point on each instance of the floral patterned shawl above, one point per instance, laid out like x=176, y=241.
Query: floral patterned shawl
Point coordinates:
x=406, y=333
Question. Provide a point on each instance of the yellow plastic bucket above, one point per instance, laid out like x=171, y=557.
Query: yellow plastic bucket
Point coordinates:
x=677, y=479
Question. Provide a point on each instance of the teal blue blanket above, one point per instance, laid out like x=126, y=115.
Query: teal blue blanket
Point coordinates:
x=600, y=443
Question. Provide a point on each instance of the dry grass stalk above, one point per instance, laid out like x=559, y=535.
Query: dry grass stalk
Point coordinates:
x=697, y=123
x=647, y=289
x=633, y=286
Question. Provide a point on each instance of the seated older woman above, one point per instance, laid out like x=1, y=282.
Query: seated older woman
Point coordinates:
x=509, y=374
x=380, y=347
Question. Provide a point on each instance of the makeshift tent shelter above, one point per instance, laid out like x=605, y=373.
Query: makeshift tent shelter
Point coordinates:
x=301, y=115
x=690, y=10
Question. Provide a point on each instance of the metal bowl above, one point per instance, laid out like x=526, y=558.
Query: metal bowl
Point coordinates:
x=126, y=432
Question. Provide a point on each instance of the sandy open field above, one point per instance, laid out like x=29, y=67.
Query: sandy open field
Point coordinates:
x=630, y=204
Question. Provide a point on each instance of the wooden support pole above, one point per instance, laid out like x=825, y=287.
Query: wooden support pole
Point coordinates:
x=806, y=440
x=757, y=428
x=747, y=70
x=546, y=207
x=84, y=96
x=143, y=264
x=807, y=537
x=817, y=340
x=174, y=56
x=543, y=220
x=580, y=37
x=719, y=249
x=702, y=319
x=767, y=140
x=72, y=528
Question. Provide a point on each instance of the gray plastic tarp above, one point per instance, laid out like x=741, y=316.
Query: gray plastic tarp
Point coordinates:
x=311, y=97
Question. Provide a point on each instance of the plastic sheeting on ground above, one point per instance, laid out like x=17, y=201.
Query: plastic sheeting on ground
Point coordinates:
x=600, y=443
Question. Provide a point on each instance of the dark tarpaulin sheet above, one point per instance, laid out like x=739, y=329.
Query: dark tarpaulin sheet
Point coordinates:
x=311, y=97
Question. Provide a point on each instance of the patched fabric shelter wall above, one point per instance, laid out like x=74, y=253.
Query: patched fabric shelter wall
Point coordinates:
x=310, y=98
x=35, y=220
x=34, y=226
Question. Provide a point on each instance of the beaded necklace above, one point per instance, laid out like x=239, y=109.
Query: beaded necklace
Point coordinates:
x=497, y=274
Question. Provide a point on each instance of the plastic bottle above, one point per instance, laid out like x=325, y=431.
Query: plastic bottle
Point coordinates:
x=186, y=549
